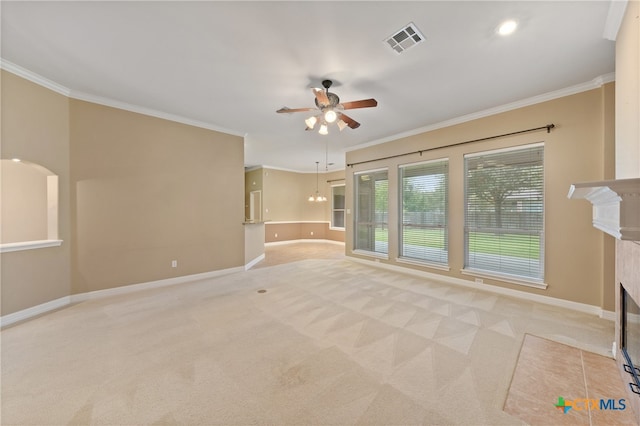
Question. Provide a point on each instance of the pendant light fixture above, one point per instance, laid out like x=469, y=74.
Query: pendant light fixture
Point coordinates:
x=317, y=198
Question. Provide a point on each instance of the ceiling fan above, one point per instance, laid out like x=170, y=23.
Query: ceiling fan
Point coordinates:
x=330, y=109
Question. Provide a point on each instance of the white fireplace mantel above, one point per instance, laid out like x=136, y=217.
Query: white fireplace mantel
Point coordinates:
x=616, y=206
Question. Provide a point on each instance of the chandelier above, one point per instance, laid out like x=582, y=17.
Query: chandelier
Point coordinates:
x=317, y=198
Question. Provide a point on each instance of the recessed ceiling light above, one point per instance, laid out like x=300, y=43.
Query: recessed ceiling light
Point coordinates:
x=17, y=160
x=507, y=27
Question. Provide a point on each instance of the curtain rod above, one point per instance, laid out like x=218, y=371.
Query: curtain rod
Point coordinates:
x=548, y=127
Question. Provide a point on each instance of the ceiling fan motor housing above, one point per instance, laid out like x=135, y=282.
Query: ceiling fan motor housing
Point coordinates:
x=334, y=100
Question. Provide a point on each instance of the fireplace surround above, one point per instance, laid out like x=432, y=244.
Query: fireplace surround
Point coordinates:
x=630, y=339
x=616, y=211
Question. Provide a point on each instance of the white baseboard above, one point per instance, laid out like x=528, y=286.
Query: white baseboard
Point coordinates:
x=152, y=284
x=125, y=289
x=253, y=262
x=562, y=303
x=319, y=240
x=33, y=311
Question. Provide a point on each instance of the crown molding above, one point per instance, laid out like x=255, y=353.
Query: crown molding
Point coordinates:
x=614, y=19
x=33, y=77
x=282, y=169
x=549, y=96
x=87, y=97
x=81, y=96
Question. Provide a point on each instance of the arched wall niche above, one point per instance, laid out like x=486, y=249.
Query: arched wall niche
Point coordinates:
x=29, y=206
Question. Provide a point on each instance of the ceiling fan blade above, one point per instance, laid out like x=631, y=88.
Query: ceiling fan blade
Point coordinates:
x=364, y=103
x=350, y=121
x=321, y=97
x=290, y=110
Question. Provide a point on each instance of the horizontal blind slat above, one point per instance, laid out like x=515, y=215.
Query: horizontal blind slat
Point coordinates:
x=504, y=206
x=424, y=191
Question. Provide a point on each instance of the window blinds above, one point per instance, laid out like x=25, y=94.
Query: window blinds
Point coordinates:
x=424, y=207
x=337, y=206
x=504, y=211
x=371, y=215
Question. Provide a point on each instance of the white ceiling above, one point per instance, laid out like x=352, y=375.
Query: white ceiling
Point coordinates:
x=231, y=65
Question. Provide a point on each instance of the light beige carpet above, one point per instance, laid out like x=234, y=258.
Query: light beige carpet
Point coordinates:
x=330, y=342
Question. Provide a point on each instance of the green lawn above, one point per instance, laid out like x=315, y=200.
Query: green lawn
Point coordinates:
x=524, y=246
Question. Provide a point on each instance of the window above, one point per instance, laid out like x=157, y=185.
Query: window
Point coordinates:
x=371, y=222
x=504, y=212
x=337, y=207
x=423, y=234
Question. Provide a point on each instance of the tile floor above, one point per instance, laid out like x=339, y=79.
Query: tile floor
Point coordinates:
x=547, y=370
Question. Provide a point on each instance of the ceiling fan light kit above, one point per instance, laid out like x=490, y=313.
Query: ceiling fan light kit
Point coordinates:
x=331, y=110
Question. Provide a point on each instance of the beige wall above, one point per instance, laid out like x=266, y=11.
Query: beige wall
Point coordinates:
x=252, y=182
x=285, y=199
x=574, y=151
x=285, y=196
x=628, y=94
x=147, y=191
x=35, y=128
x=24, y=202
x=135, y=193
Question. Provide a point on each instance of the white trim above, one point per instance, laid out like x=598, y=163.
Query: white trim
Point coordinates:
x=29, y=245
x=608, y=315
x=319, y=240
x=131, y=288
x=87, y=97
x=374, y=254
x=283, y=169
x=547, y=300
x=287, y=222
x=511, y=279
x=477, y=154
x=366, y=172
x=126, y=289
x=617, y=9
x=422, y=162
x=615, y=205
x=252, y=168
x=33, y=77
x=332, y=228
x=150, y=112
x=33, y=311
x=549, y=96
x=253, y=262
x=423, y=263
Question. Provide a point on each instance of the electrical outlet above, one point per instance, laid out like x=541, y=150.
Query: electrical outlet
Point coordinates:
x=479, y=281
x=276, y=235
x=174, y=263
